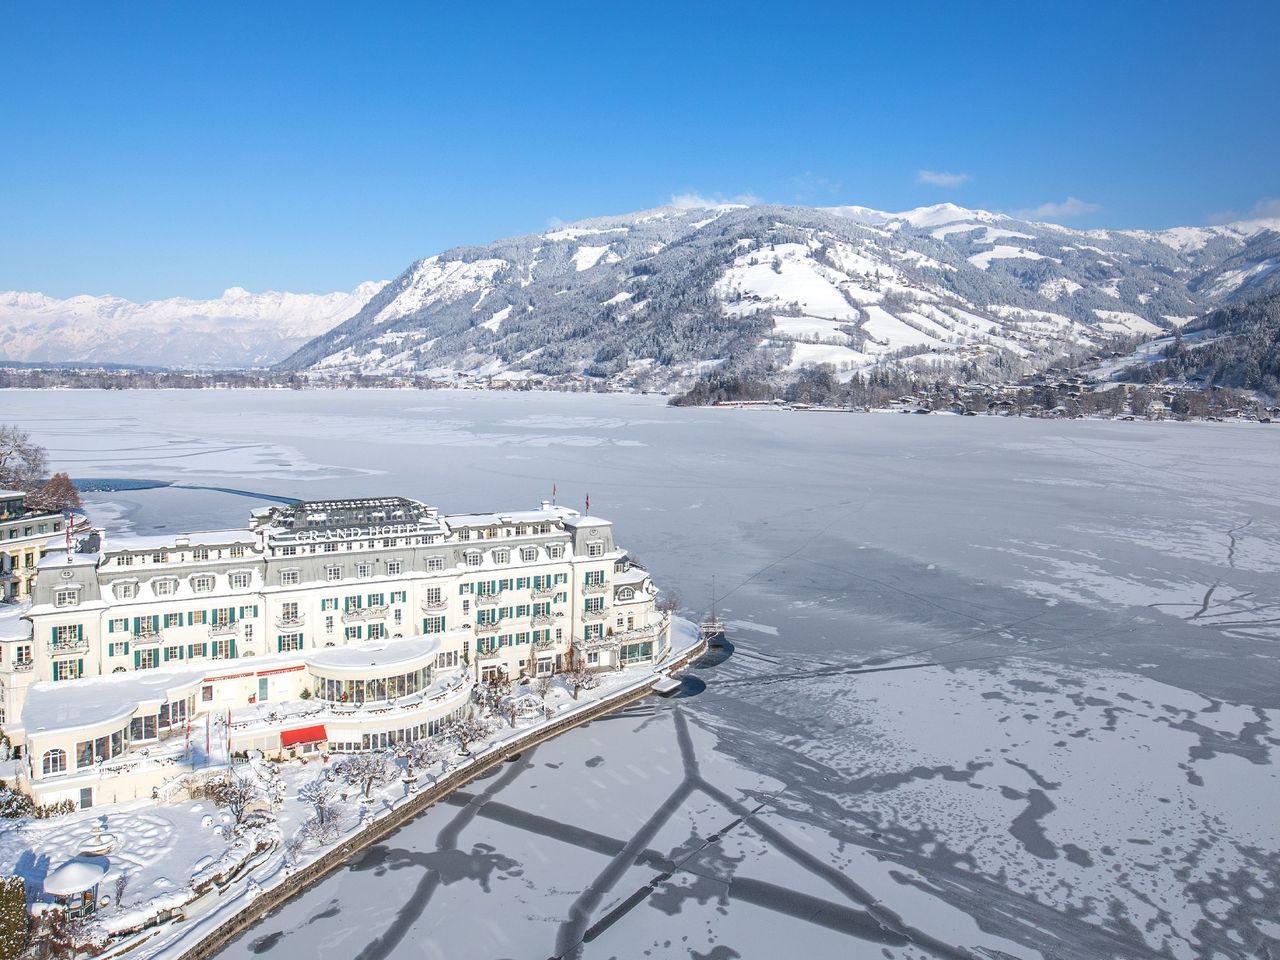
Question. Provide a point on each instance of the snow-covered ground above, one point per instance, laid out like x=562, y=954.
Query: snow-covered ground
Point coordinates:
x=1001, y=688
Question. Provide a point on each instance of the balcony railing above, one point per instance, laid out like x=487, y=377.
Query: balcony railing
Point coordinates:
x=430, y=606
x=488, y=654
x=543, y=619
x=360, y=614
x=544, y=592
x=297, y=620
x=147, y=638
x=488, y=599
x=487, y=628
x=590, y=643
x=22, y=666
x=593, y=616
x=222, y=629
x=68, y=646
x=594, y=588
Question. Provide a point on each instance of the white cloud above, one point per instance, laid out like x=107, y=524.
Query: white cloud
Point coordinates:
x=698, y=201
x=1070, y=207
x=1264, y=209
x=940, y=178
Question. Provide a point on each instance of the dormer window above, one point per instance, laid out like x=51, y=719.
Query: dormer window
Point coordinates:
x=200, y=553
x=68, y=597
x=125, y=591
x=502, y=556
x=165, y=587
x=202, y=584
x=626, y=593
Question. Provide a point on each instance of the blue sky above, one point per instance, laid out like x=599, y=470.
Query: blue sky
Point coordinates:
x=177, y=149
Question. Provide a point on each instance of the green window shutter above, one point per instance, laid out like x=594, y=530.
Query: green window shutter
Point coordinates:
x=137, y=659
x=137, y=624
x=255, y=609
x=165, y=655
x=80, y=668
x=155, y=621
x=233, y=614
x=53, y=634
x=191, y=617
x=111, y=626
x=233, y=647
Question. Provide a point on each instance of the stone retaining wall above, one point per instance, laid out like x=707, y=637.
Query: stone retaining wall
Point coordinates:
x=380, y=829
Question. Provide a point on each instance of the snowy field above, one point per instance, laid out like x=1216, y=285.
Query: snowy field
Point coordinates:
x=1001, y=688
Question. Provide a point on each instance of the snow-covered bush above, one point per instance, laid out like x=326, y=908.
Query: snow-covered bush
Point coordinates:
x=366, y=770
x=234, y=793
x=464, y=732
x=320, y=793
x=13, y=917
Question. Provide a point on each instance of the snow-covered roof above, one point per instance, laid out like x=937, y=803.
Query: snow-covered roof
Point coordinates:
x=129, y=541
x=58, y=705
x=10, y=494
x=76, y=876
x=60, y=558
x=12, y=626
x=357, y=658
x=579, y=521
x=549, y=515
x=631, y=577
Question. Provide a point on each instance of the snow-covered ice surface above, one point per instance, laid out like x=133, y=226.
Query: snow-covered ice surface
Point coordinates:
x=1001, y=688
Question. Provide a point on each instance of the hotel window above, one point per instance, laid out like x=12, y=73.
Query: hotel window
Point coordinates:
x=66, y=598
x=330, y=548
x=172, y=620
x=595, y=548
x=395, y=568
x=593, y=658
x=398, y=616
x=529, y=554
x=328, y=624
x=202, y=584
x=125, y=560
x=197, y=616
x=464, y=534
x=556, y=551
x=237, y=552
x=595, y=604
x=173, y=653
x=433, y=625
x=446, y=660
x=377, y=631
x=221, y=650
x=206, y=694
x=377, y=599
x=290, y=641
x=126, y=591
x=200, y=553
x=289, y=611
x=434, y=595
x=398, y=596
x=65, y=636
x=158, y=557
x=66, y=669
x=626, y=593
x=164, y=588
x=120, y=623
x=290, y=578
x=388, y=542
x=474, y=559
x=239, y=581
x=333, y=573
x=54, y=761
x=352, y=633
x=329, y=603
x=435, y=563
x=289, y=551
x=502, y=556
x=22, y=653
x=146, y=659
x=364, y=569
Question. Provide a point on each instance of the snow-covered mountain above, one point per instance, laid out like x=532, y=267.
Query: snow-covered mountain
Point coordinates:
x=238, y=329
x=661, y=295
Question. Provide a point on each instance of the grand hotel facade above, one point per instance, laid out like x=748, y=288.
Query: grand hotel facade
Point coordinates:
x=324, y=625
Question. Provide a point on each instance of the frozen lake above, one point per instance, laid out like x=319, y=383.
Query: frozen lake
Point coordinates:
x=1001, y=688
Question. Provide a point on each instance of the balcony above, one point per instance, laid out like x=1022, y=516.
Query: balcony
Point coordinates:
x=594, y=616
x=540, y=592
x=434, y=606
x=488, y=654
x=286, y=623
x=361, y=614
x=543, y=619
x=222, y=629
x=68, y=646
x=147, y=638
x=484, y=629
x=488, y=599
x=23, y=666
x=591, y=643
x=595, y=588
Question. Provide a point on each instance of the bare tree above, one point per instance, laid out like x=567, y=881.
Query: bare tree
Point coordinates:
x=234, y=793
x=468, y=731
x=580, y=677
x=542, y=687
x=418, y=755
x=366, y=770
x=320, y=794
x=56, y=494
x=669, y=602
x=22, y=460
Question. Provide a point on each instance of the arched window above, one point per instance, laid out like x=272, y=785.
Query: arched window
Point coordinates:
x=55, y=761
x=626, y=593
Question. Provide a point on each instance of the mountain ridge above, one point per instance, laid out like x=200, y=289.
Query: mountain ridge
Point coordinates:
x=660, y=297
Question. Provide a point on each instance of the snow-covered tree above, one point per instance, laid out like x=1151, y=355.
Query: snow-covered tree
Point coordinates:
x=22, y=460
x=417, y=755
x=234, y=793
x=580, y=677
x=366, y=770
x=467, y=731
x=56, y=494
x=320, y=793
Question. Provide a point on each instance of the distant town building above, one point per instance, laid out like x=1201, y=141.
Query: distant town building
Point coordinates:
x=23, y=534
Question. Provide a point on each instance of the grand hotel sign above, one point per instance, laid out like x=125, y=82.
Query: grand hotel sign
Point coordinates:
x=352, y=533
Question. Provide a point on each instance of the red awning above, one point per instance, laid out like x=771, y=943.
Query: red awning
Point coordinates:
x=291, y=738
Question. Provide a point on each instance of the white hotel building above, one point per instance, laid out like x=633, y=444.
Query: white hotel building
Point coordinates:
x=327, y=625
